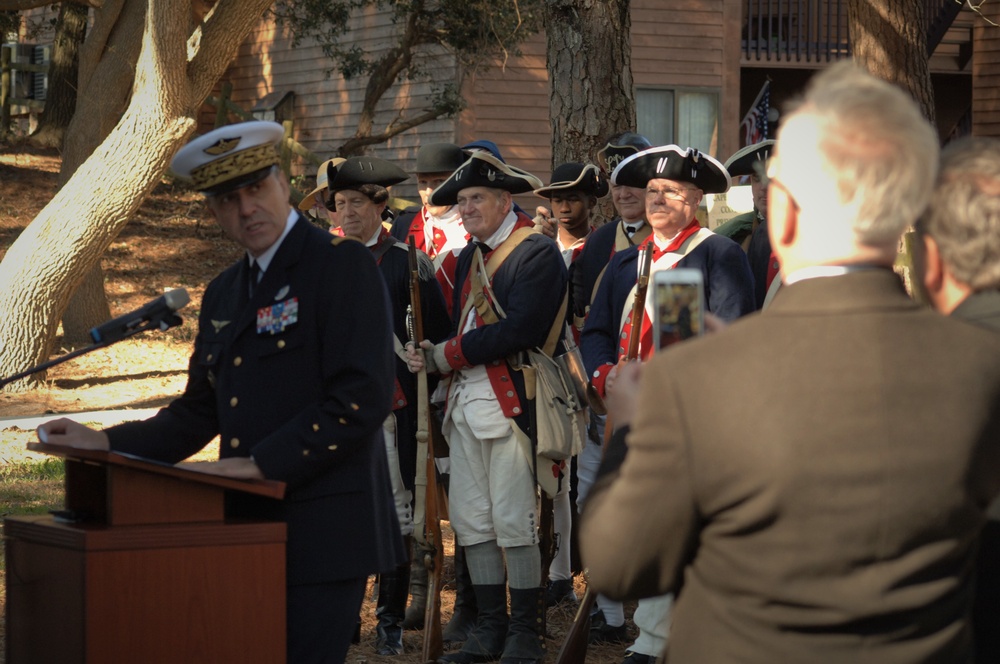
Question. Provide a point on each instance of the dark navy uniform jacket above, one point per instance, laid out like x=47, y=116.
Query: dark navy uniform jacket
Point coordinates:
x=728, y=293
x=394, y=264
x=306, y=398
x=529, y=286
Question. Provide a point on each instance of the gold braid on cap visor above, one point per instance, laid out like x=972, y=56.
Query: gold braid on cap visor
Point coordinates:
x=240, y=163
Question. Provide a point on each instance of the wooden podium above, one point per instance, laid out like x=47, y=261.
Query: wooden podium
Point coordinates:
x=143, y=567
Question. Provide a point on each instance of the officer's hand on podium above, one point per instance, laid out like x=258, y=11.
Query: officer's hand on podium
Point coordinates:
x=241, y=468
x=64, y=431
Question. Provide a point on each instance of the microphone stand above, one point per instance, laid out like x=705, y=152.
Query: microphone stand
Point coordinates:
x=164, y=322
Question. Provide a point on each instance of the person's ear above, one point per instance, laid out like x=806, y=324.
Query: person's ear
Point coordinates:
x=782, y=217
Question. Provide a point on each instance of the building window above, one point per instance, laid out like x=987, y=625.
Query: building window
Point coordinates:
x=685, y=117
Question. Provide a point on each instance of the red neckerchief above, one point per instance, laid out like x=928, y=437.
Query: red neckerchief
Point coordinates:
x=646, y=338
x=675, y=244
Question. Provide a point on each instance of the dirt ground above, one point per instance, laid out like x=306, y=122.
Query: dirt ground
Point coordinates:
x=171, y=243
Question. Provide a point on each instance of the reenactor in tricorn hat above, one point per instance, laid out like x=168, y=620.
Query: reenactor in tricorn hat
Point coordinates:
x=673, y=181
x=573, y=194
x=359, y=194
x=750, y=228
x=625, y=230
x=436, y=229
x=292, y=382
x=517, y=279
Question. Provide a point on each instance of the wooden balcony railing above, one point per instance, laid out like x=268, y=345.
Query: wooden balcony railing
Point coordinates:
x=816, y=31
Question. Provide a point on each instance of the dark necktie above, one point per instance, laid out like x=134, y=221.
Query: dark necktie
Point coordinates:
x=254, y=277
x=483, y=247
x=631, y=230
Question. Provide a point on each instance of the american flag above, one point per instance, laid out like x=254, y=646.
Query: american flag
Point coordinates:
x=754, y=123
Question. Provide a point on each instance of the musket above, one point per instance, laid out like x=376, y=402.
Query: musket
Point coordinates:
x=639, y=303
x=638, y=313
x=426, y=482
x=574, y=648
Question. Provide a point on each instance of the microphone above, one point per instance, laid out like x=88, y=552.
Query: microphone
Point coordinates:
x=158, y=312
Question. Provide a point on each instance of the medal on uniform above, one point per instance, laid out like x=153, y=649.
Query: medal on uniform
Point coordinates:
x=277, y=317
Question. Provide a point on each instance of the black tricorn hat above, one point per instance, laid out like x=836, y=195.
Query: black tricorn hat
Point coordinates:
x=356, y=171
x=620, y=147
x=671, y=162
x=440, y=158
x=574, y=176
x=484, y=170
x=742, y=161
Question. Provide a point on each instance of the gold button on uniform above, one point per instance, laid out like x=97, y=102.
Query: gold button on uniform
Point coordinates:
x=234, y=443
x=233, y=402
x=281, y=343
x=315, y=427
x=209, y=357
x=237, y=361
x=305, y=452
x=332, y=447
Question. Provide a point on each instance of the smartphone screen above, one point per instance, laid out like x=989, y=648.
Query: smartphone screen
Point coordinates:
x=679, y=305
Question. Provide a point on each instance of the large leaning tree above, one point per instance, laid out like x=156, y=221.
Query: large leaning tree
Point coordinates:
x=178, y=63
x=476, y=33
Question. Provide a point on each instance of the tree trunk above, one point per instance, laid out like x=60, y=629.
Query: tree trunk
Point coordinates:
x=70, y=234
x=104, y=84
x=64, y=67
x=889, y=39
x=589, y=56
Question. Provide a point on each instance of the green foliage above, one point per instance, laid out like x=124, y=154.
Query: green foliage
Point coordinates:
x=475, y=32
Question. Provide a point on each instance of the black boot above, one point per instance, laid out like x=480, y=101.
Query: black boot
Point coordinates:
x=464, y=618
x=390, y=610
x=486, y=641
x=526, y=637
x=418, y=588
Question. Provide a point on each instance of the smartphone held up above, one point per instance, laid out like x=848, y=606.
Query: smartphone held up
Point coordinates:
x=679, y=305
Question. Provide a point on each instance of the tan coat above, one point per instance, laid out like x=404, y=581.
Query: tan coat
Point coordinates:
x=817, y=498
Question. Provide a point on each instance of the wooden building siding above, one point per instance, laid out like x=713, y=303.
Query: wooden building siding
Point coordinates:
x=986, y=74
x=686, y=44
x=326, y=109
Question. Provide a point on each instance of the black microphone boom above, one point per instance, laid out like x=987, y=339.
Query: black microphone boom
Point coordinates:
x=159, y=312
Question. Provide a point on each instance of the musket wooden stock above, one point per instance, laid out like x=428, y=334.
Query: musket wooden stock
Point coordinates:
x=635, y=329
x=433, y=643
x=574, y=648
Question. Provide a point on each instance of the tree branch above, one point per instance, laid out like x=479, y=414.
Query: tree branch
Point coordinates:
x=21, y=5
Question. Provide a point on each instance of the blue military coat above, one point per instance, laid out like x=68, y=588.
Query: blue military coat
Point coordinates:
x=300, y=378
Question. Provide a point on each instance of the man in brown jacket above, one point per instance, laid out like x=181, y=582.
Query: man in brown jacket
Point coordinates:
x=831, y=513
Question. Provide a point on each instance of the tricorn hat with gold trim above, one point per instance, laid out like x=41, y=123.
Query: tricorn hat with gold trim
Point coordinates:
x=229, y=157
x=484, y=170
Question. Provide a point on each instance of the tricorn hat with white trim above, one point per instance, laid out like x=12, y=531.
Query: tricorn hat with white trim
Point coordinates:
x=484, y=170
x=742, y=161
x=229, y=157
x=672, y=162
x=574, y=176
